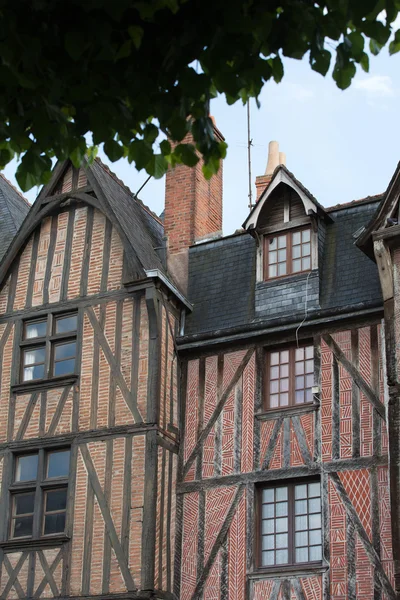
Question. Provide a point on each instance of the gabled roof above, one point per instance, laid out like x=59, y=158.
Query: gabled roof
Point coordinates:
x=384, y=211
x=140, y=230
x=283, y=175
x=13, y=210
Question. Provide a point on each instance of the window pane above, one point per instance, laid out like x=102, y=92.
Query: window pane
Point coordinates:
x=274, y=401
x=268, y=495
x=268, y=526
x=67, y=323
x=309, y=380
x=300, y=491
x=306, y=264
x=306, y=249
x=31, y=373
x=274, y=387
x=268, y=542
x=272, y=244
x=281, y=509
x=282, y=241
x=34, y=355
x=23, y=526
x=315, y=553
x=64, y=367
x=56, y=500
x=297, y=265
x=267, y=511
x=274, y=372
x=34, y=330
x=309, y=366
x=284, y=385
x=315, y=537
x=54, y=523
x=301, y=555
x=281, y=525
x=274, y=358
x=285, y=356
x=299, y=398
x=314, y=521
x=314, y=489
x=27, y=467
x=299, y=382
x=65, y=350
x=284, y=370
x=268, y=558
x=296, y=238
x=299, y=354
x=272, y=256
x=305, y=235
x=281, y=269
x=281, y=493
x=24, y=503
x=300, y=507
x=301, y=523
x=309, y=352
x=299, y=368
x=282, y=255
x=281, y=557
x=296, y=252
x=314, y=505
x=284, y=399
x=272, y=271
x=282, y=540
x=301, y=538
x=58, y=464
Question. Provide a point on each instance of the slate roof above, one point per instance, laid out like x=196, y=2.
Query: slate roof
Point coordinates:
x=142, y=228
x=13, y=210
x=222, y=273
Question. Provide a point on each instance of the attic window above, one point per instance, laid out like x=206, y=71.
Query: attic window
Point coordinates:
x=287, y=253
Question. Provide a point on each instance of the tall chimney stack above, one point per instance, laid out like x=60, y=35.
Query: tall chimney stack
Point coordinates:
x=275, y=158
x=193, y=210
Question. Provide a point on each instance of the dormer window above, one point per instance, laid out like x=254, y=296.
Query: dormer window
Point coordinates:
x=287, y=253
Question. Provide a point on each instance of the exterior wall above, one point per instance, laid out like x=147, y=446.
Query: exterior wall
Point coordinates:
x=74, y=260
x=231, y=444
x=287, y=297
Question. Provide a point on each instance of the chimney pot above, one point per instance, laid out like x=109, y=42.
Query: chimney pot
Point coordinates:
x=273, y=157
x=282, y=158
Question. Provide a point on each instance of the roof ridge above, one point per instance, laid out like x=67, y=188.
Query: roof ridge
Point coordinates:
x=366, y=200
x=15, y=189
x=107, y=169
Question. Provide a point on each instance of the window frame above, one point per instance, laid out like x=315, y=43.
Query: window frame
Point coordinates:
x=39, y=487
x=288, y=233
x=291, y=564
x=49, y=342
x=291, y=376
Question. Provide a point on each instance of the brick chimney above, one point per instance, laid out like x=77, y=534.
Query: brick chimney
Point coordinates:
x=193, y=211
x=275, y=158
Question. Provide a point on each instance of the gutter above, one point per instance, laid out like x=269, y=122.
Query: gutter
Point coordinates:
x=157, y=274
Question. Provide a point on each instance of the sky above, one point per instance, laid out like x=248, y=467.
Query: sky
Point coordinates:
x=342, y=145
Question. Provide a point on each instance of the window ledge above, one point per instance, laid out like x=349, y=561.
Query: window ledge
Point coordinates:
x=43, y=384
x=27, y=543
x=289, y=411
x=289, y=278
x=285, y=570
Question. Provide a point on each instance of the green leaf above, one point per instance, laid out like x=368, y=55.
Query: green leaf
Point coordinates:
x=394, y=45
x=150, y=133
x=186, y=154
x=136, y=34
x=75, y=43
x=356, y=44
x=113, y=150
x=277, y=69
x=157, y=166
x=320, y=61
x=377, y=31
x=124, y=51
x=364, y=62
x=165, y=147
x=344, y=74
x=77, y=155
x=375, y=47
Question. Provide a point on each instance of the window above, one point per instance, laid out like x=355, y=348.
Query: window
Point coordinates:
x=290, y=528
x=290, y=376
x=39, y=494
x=49, y=347
x=287, y=254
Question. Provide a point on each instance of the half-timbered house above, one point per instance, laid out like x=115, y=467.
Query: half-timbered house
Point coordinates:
x=198, y=417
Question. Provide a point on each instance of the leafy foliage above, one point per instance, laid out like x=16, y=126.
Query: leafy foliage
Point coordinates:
x=127, y=70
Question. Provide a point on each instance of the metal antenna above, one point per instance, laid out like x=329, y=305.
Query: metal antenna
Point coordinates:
x=249, y=145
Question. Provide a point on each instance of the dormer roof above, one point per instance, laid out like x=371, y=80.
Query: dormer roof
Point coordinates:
x=282, y=175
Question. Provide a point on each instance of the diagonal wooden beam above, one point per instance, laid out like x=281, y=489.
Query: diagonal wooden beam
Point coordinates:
x=48, y=573
x=109, y=524
x=362, y=534
x=57, y=415
x=115, y=369
x=45, y=579
x=301, y=439
x=272, y=443
x=5, y=335
x=298, y=589
x=356, y=376
x=13, y=573
x=27, y=416
x=223, y=532
x=217, y=411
